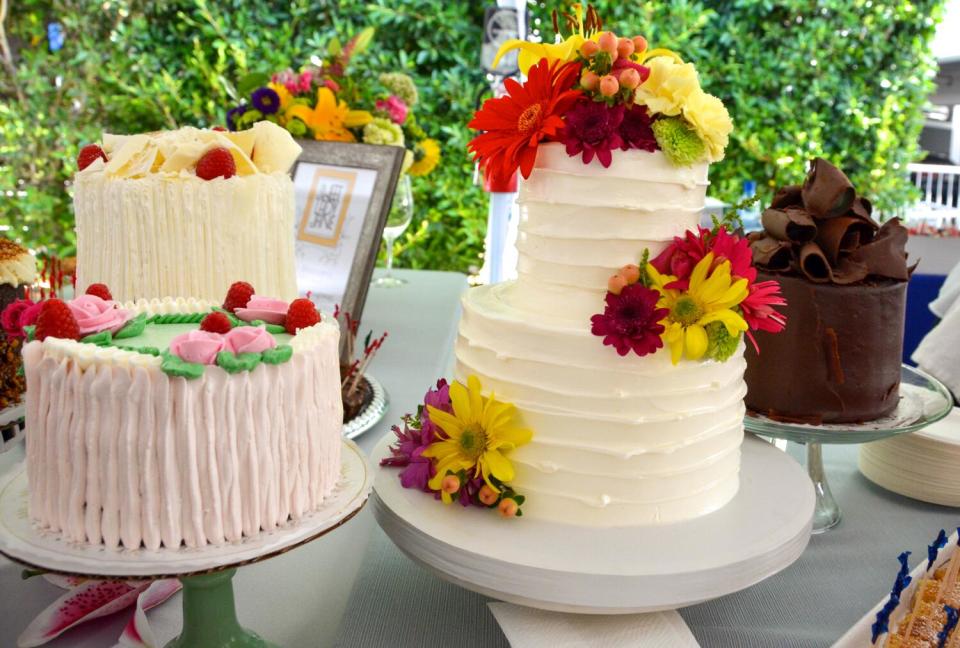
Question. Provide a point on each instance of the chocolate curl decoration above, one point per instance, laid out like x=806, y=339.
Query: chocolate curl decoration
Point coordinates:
x=814, y=264
x=791, y=224
x=886, y=255
x=827, y=192
x=789, y=196
x=842, y=234
x=771, y=253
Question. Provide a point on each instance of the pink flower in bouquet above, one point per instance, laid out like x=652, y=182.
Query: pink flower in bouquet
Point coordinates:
x=249, y=339
x=758, y=309
x=94, y=314
x=636, y=131
x=685, y=252
x=394, y=107
x=305, y=81
x=412, y=441
x=267, y=309
x=592, y=128
x=333, y=85
x=29, y=315
x=631, y=321
x=736, y=250
x=198, y=346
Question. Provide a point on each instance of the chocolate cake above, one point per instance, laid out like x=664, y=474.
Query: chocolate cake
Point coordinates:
x=18, y=270
x=845, y=280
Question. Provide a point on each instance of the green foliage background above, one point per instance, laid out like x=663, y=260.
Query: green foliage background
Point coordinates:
x=845, y=79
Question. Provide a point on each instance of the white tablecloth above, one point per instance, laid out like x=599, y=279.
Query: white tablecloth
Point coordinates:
x=299, y=598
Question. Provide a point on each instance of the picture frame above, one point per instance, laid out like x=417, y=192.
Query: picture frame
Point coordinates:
x=343, y=195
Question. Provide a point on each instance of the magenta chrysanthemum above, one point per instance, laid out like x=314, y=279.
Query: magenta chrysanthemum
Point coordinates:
x=412, y=440
x=631, y=321
x=592, y=128
x=635, y=130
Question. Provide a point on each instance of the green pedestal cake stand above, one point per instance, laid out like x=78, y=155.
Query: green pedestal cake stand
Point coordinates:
x=209, y=613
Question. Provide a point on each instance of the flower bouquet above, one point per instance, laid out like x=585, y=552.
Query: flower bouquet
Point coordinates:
x=326, y=101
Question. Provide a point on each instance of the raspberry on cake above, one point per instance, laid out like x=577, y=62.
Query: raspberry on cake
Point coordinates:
x=100, y=290
x=238, y=296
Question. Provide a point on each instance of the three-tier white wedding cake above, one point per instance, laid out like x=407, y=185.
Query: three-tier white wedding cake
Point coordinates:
x=618, y=440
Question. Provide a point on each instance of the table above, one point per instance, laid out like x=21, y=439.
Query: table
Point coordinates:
x=297, y=599
x=355, y=588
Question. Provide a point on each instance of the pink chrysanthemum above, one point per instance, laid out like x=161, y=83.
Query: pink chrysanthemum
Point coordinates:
x=10, y=319
x=593, y=129
x=631, y=321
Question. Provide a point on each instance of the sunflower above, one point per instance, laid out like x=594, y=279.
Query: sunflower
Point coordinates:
x=329, y=119
x=474, y=437
x=428, y=160
x=708, y=299
x=516, y=123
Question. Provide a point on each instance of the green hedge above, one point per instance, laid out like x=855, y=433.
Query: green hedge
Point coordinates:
x=136, y=66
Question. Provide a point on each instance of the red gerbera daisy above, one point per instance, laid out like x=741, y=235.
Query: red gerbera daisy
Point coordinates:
x=680, y=257
x=758, y=309
x=515, y=124
x=631, y=321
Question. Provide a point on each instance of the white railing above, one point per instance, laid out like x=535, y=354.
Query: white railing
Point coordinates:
x=939, y=204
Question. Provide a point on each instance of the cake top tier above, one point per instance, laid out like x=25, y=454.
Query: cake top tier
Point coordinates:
x=191, y=152
x=17, y=265
x=824, y=232
x=598, y=93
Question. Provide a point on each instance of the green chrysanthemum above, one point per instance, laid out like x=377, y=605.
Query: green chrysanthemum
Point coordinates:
x=383, y=131
x=401, y=85
x=679, y=141
x=720, y=344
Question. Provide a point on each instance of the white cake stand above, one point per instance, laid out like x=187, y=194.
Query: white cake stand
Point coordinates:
x=209, y=614
x=608, y=571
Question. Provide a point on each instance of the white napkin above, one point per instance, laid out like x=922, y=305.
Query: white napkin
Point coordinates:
x=939, y=351
x=531, y=628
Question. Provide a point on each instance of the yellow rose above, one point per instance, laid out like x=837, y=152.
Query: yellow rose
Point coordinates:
x=669, y=85
x=711, y=121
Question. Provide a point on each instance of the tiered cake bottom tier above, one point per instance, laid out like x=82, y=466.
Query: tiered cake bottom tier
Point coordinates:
x=127, y=455
x=618, y=441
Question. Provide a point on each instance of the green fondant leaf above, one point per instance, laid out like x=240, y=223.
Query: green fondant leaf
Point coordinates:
x=234, y=320
x=175, y=366
x=277, y=355
x=28, y=331
x=234, y=363
x=275, y=329
x=133, y=328
x=146, y=350
x=103, y=338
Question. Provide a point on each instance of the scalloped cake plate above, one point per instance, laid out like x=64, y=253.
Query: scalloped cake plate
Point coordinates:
x=627, y=570
x=23, y=542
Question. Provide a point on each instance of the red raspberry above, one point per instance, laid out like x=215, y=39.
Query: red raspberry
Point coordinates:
x=216, y=322
x=238, y=296
x=100, y=290
x=88, y=154
x=216, y=163
x=57, y=321
x=301, y=314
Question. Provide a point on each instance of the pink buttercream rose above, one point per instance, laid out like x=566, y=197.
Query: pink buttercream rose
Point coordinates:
x=395, y=107
x=29, y=315
x=201, y=347
x=94, y=314
x=271, y=311
x=249, y=339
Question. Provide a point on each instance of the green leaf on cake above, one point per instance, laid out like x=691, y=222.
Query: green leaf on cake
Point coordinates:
x=28, y=331
x=679, y=141
x=277, y=355
x=237, y=362
x=133, y=328
x=173, y=365
x=103, y=338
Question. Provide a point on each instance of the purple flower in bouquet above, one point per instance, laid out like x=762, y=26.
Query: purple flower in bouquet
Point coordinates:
x=469, y=491
x=592, y=128
x=266, y=100
x=395, y=108
x=233, y=114
x=413, y=439
x=438, y=398
x=635, y=130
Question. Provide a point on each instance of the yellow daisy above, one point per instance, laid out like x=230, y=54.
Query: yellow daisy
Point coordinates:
x=430, y=159
x=708, y=299
x=329, y=119
x=283, y=93
x=478, y=432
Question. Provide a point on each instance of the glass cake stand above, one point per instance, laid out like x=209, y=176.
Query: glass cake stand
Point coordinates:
x=923, y=400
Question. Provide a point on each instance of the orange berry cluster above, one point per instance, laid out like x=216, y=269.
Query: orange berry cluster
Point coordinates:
x=598, y=74
x=626, y=276
x=508, y=506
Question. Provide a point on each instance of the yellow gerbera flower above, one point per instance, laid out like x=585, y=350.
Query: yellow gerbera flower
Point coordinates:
x=430, y=159
x=329, y=119
x=478, y=432
x=710, y=297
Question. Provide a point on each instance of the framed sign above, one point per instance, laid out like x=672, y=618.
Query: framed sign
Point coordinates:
x=343, y=195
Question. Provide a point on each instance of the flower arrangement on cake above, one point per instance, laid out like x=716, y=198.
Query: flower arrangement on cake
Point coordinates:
x=698, y=296
x=324, y=101
x=596, y=92
x=456, y=448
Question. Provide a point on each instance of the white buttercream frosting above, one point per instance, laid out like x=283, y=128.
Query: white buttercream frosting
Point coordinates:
x=120, y=453
x=617, y=440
